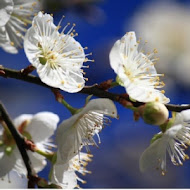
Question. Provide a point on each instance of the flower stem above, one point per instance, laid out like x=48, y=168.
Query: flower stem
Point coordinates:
x=69, y=107
x=132, y=108
x=49, y=156
x=114, y=84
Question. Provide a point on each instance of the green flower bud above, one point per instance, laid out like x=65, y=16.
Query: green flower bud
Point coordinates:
x=154, y=113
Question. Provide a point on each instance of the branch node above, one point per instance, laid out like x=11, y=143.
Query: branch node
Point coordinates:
x=58, y=96
x=27, y=70
x=29, y=145
x=105, y=85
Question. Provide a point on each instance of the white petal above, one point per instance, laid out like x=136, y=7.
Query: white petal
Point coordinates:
x=19, y=166
x=38, y=161
x=63, y=176
x=186, y=115
x=22, y=118
x=66, y=139
x=115, y=58
x=63, y=78
x=145, y=94
x=7, y=162
x=149, y=158
x=104, y=105
x=120, y=49
x=42, y=126
x=6, y=9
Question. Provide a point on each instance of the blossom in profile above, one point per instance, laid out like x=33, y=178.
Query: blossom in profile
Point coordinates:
x=15, y=15
x=169, y=34
x=172, y=142
x=57, y=56
x=80, y=129
x=38, y=128
x=65, y=175
x=135, y=70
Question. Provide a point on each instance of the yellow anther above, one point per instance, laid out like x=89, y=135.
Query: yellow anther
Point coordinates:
x=33, y=4
x=163, y=91
x=155, y=50
x=157, y=99
x=186, y=157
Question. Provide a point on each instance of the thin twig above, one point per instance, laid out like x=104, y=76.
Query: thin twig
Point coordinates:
x=20, y=141
x=94, y=90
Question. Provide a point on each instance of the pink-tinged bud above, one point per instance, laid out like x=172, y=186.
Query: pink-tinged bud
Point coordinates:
x=154, y=113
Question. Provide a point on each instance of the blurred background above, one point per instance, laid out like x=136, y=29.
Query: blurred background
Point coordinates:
x=166, y=26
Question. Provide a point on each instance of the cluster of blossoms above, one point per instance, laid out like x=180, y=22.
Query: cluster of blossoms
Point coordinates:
x=58, y=59
x=15, y=15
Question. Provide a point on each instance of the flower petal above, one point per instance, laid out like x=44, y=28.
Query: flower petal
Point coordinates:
x=64, y=176
x=42, y=126
x=38, y=161
x=103, y=105
x=122, y=48
x=22, y=118
x=149, y=158
x=186, y=115
x=7, y=162
x=6, y=9
x=145, y=94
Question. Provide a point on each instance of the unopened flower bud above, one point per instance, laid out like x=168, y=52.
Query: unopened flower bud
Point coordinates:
x=154, y=113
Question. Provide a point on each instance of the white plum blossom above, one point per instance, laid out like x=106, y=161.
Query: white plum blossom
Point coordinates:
x=58, y=57
x=169, y=34
x=15, y=15
x=65, y=175
x=136, y=71
x=38, y=128
x=79, y=130
x=172, y=142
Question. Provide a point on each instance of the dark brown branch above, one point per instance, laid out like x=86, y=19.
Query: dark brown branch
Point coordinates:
x=20, y=141
x=96, y=90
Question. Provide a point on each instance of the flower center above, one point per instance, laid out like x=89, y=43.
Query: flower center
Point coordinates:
x=129, y=74
x=47, y=56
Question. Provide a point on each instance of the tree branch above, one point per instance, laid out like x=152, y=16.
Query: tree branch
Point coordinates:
x=20, y=141
x=95, y=89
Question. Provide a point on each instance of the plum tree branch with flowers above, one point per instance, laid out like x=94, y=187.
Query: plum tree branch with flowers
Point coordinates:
x=59, y=61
